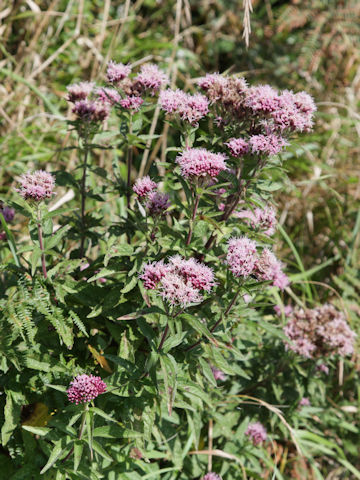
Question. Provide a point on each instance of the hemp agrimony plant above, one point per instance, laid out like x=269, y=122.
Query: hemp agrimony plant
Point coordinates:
x=143, y=320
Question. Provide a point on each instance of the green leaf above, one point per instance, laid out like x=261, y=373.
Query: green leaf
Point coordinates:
x=14, y=401
x=37, y=430
x=130, y=285
x=57, y=451
x=78, y=450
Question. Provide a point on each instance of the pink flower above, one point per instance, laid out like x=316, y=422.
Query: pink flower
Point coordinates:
x=116, y=72
x=194, y=108
x=8, y=214
x=90, y=111
x=36, y=186
x=260, y=219
x=210, y=80
x=171, y=100
x=218, y=374
x=321, y=331
x=79, y=91
x=287, y=309
x=191, y=108
x=257, y=433
x=152, y=77
x=199, y=275
x=199, y=162
x=211, y=476
x=143, y=186
x=153, y=273
x=85, y=388
x=180, y=281
x=268, y=267
x=241, y=256
x=304, y=402
x=132, y=102
x=262, y=98
x=157, y=203
x=267, y=144
x=238, y=147
x=108, y=95
x=295, y=111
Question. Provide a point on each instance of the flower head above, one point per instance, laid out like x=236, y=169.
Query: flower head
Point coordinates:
x=180, y=281
x=36, y=186
x=323, y=368
x=256, y=432
x=268, y=267
x=79, y=91
x=270, y=144
x=85, y=388
x=151, y=77
x=108, y=95
x=238, y=147
x=8, y=214
x=262, y=98
x=199, y=162
x=241, y=256
x=263, y=219
x=91, y=111
x=171, y=100
x=157, y=203
x=116, y=72
x=211, y=476
x=132, y=102
x=321, y=331
x=143, y=186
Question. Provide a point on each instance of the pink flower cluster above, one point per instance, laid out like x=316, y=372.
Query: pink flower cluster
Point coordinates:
x=132, y=102
x=199, y=162
x=179, y=281
x=8, y=214
x=282, y=111
x=156, y=202
x=85, y=388
x=108, y=95
x=190, y=108
x=211, y=476
x=269, y=144
x=79, y=91
x=244, y=260
x=143, y=186
x=116, y=72
x=241, y=256
x=238, y=147
x=256, y=432
x=269, y=268
x=318, y=332
x=36, y=186
x=91, y=111
x=263, y=219
x=151, y=77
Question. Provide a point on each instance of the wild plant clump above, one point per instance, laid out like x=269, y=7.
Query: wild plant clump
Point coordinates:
x=155, y=287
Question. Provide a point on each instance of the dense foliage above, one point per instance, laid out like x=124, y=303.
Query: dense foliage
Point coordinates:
x=158, y=321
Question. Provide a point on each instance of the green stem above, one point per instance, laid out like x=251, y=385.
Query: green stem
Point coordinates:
x=41, y=243
x=81, y=431
x=191, y=226
x=83, y=195
x=129, y=166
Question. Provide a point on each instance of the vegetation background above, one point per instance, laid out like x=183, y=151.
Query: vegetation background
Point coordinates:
x=309, y=44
